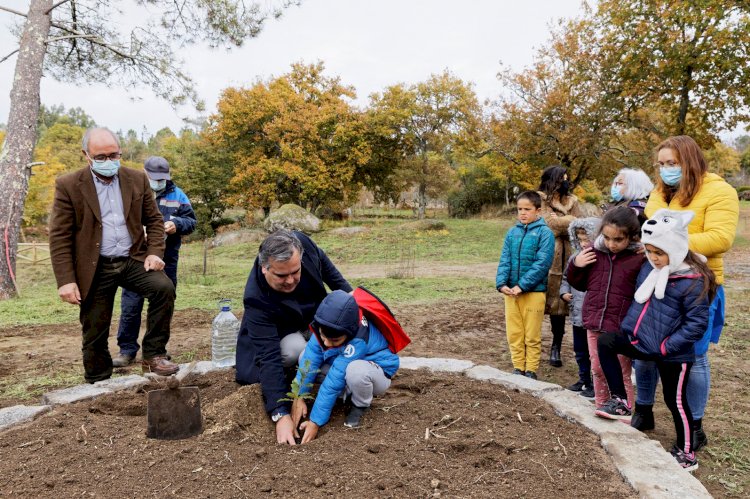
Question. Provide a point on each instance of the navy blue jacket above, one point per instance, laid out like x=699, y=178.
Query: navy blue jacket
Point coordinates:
x=668, y=328
x=271, y=315
x=364, y=342
x=175, y=207
x=527, y=257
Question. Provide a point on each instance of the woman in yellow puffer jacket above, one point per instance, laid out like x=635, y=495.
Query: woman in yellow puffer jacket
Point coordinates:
x=685, y=184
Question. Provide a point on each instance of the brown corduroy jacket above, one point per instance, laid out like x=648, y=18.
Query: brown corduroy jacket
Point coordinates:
x=75, y=229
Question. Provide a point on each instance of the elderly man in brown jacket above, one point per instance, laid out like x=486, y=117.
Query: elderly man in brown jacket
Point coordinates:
x=97, y=244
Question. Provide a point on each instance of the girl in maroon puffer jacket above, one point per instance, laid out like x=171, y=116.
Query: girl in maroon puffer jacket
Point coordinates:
x=608, y=273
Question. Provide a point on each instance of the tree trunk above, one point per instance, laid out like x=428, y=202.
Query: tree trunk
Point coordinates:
x=684, y=101
x=421, y=200
x=17, y=151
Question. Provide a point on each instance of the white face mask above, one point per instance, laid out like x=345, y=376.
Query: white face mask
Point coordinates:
x=107, y=168
x=158, y=185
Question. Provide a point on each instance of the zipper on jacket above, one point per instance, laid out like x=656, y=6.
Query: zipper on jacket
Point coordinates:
x=606, y=295
x=638, y=322
x=520, y=245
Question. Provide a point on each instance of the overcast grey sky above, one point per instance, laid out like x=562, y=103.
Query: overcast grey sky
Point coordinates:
x=369, y=44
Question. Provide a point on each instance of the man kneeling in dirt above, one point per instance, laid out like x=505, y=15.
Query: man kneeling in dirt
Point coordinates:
x=283, y=291
x=354, y=357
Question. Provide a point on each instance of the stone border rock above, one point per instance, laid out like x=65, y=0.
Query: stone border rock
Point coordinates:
x=642, y=462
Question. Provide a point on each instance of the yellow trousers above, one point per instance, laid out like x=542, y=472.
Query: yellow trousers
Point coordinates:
x=523, y=326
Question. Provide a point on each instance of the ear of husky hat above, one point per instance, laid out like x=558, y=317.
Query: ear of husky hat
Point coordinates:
x=668, y=231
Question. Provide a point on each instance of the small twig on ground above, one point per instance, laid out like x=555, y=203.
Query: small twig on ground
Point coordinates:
x=238, y=488
x=563, y=447
x=435, y=434
x=519, y=416
x=545, y=469
x=503, y=472
x=426, y=433
x=452, y=422
x=165, y=488
x=26, y=444
x=509, y=399
x=389, y=407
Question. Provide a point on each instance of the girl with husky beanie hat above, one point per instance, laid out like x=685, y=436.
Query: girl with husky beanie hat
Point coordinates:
x=666, y=319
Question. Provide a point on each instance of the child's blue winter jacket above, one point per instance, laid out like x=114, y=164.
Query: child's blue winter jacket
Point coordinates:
x=670, y=327
x=527, y=257
x=364, y=342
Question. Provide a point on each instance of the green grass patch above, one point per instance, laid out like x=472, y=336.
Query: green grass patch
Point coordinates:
x=21, y=387
x=205, y=277
x=427, y=290
x=462, y=241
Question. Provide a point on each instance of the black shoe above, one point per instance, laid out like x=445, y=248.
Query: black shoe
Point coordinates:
x=614, y=408
x=577, y=386
x=554, y=356
x=122, y=360
x=519, y=372
x=353, y=419
x=530, y=374
x=587, y=392
x=643, y=418
x=687, y=461
x=700, y=439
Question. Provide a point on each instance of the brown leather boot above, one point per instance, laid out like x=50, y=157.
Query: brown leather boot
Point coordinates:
x=159, y=365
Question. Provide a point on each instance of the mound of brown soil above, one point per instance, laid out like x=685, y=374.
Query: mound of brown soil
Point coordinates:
x=430, y=435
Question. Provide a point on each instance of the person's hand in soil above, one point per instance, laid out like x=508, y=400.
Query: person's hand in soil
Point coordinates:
x=585, y=257
x=310, y=430
x=286, y=432
x=70, y=293
x=299, y=411
x=566, y=297
x=506, y=291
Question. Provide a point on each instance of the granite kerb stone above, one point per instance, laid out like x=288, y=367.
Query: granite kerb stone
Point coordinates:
x=650, y=470
x=17, y=414
x=436, y=364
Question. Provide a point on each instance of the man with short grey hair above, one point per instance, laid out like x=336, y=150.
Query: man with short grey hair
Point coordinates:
x=97, y=243
x=285, y=287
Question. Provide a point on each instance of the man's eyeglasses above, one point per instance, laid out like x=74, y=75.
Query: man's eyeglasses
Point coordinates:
x=105, y=157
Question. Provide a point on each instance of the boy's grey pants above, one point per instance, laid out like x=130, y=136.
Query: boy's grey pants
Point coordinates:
x=364, y=378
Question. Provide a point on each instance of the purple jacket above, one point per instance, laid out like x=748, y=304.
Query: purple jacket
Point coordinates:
x=609, y=284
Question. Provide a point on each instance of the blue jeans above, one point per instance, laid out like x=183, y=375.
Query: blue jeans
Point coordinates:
x=131, y=307
x=699, y=383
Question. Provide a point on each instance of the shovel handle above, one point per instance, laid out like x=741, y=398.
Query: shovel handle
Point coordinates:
x=183, y=374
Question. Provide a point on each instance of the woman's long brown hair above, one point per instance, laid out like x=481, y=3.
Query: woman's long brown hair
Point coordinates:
x=709, y=278
x=694, y=167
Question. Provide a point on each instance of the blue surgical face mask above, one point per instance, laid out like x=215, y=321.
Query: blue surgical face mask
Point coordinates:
x=106, y=168
x=158, y=185
x=615, y=193
x=671, y=175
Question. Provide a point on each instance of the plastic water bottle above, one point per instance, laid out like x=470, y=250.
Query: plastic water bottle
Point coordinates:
x=224, y=330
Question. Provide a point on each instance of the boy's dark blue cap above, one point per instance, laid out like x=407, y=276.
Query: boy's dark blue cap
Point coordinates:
x=338, y=313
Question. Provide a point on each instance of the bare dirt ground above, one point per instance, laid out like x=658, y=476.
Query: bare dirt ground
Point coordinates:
x=486, y=441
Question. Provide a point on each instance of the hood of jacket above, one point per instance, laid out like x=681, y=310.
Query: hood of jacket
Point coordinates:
x=339, y=312
x=589, y=224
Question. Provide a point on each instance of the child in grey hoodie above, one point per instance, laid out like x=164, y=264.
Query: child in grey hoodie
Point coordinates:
x=582, y=232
